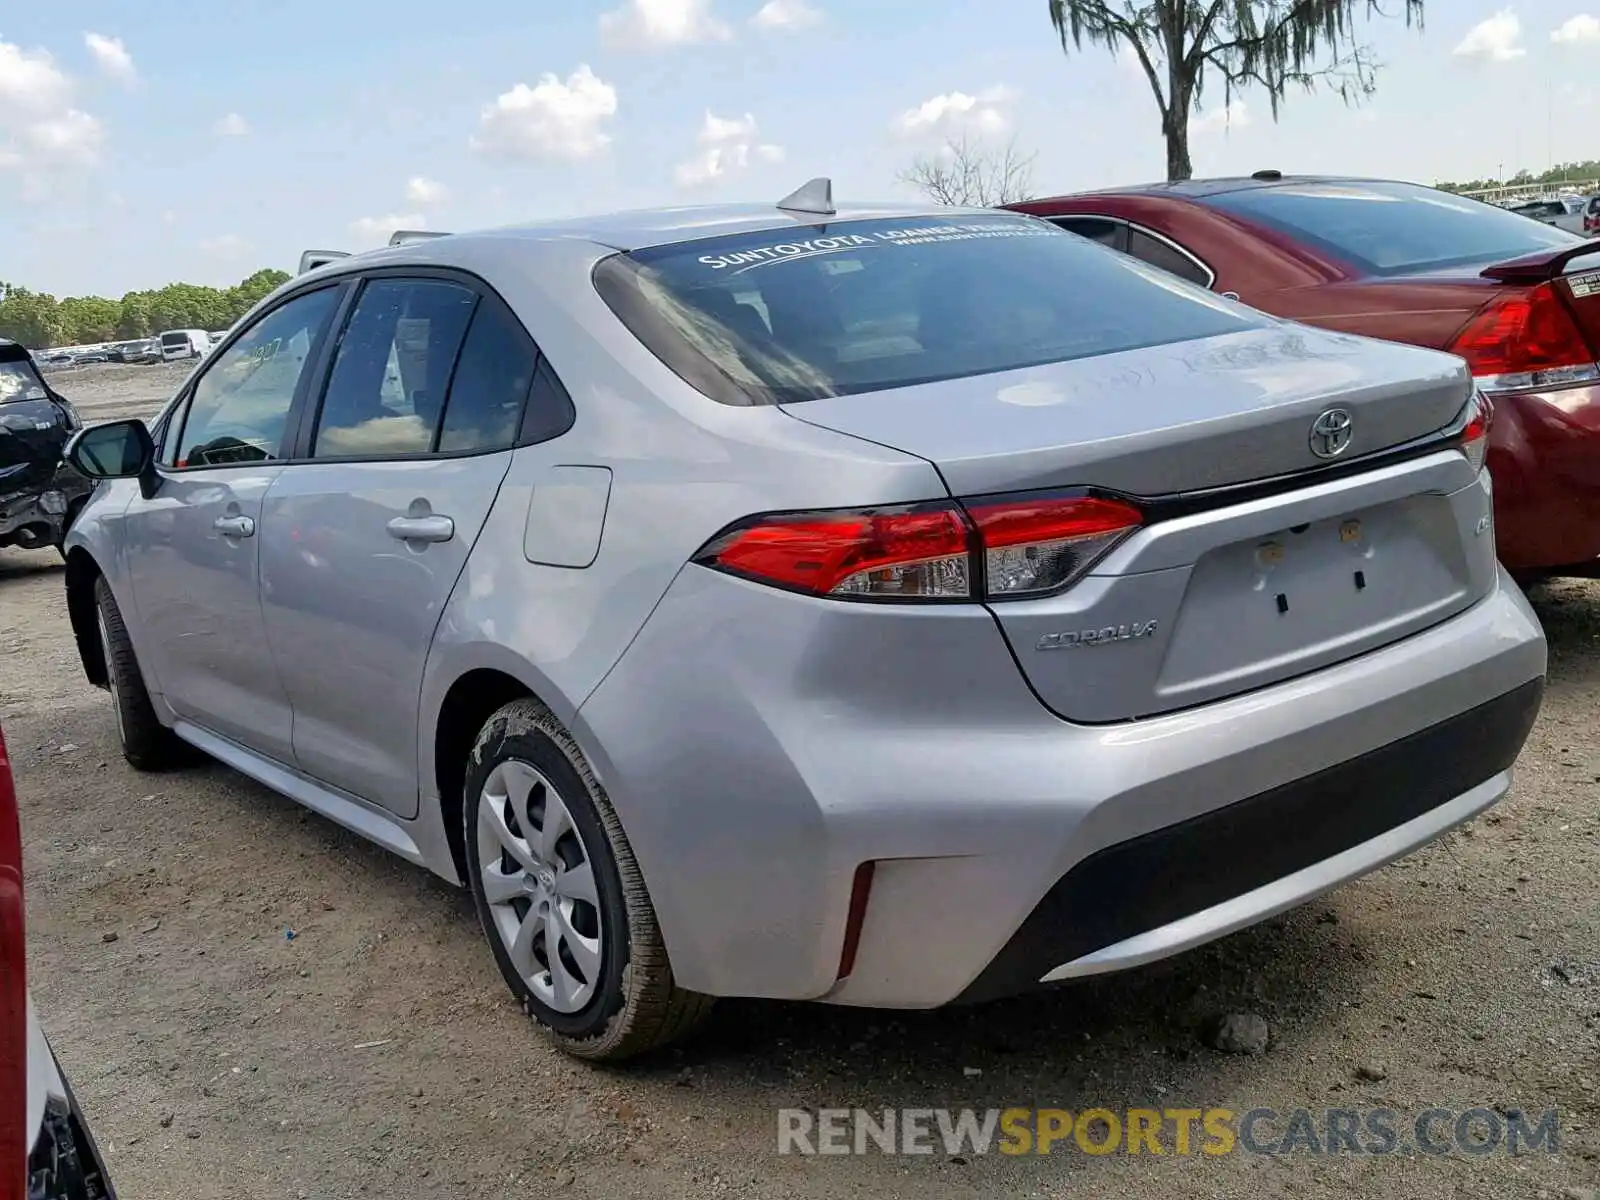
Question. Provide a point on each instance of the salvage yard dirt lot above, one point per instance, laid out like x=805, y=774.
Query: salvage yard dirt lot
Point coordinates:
x=376, y=1051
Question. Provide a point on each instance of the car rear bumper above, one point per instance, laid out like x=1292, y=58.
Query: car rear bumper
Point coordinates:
x=760, y=747
x=64, y=1162
x=1176, y=887
x=37, y=516
x=1544, y=455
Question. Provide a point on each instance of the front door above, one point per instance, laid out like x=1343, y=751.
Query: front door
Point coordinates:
x=364, y=539
x=193, y=545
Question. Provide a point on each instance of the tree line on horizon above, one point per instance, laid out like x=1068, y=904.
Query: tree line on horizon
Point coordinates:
x=38, y=320
x=1562, y=173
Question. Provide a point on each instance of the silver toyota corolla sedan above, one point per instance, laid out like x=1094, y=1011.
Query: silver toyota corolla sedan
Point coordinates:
x=882, y=606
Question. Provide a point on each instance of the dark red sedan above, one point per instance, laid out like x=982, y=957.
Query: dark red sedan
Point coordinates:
x=1519, y=300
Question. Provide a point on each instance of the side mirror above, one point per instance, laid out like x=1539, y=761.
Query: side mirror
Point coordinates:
x=116, y=450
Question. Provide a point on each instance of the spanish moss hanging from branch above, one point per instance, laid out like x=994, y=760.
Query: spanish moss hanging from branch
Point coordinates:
x=1184, y=45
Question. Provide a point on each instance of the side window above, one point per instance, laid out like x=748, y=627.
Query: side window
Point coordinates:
x=1158, y=254
x=491, y=384
x=1096, y=229
x=386, y=391
x=239, y=406
x=550, y=412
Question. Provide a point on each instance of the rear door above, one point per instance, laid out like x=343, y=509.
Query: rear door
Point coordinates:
x=365, y=534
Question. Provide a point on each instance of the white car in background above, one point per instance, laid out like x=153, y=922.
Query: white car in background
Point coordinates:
x=184, y=343
x=46, y=1150
x=1564, y=212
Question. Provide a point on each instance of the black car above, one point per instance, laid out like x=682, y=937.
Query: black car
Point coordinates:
x=39, y=494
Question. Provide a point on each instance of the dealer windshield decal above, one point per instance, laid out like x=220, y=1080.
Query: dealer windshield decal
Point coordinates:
x=917, y=235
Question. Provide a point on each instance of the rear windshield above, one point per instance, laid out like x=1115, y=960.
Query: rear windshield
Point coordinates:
x=174, y=339
x=19, y=381
x=1393, y=228
x=860, y=306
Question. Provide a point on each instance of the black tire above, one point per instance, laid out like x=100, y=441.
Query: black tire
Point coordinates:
x=146, y=742
x=637, y=1006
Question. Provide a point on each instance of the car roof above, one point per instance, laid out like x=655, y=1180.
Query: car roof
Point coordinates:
x=635, y=230
x=1192, y=189
x=661, y=226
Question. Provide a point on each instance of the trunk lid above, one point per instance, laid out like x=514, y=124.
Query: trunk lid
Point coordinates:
x=1214, y=597
x=1573, y=270
x=1163, y=419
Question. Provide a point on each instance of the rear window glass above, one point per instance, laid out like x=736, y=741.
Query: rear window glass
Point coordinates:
x=859, y=306
x=174, y=339
x=1393, y=228
x=19, y=382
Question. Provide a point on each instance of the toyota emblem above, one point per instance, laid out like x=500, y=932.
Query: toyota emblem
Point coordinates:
x=1331, y=433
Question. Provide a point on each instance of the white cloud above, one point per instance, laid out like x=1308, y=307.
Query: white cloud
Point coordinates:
x=376, y=231
x=424, y=191
x=553, y=119
x=957, y=114
x=1497, y=39
x=654, y=24
x=226, y=245
x=232, y=125
x=786, y=15
x=1221, y=120
x=727, y=147
x=70, y=138
x=30, y=82
x=112, y=57
x=1579, y=29
x=41, y=131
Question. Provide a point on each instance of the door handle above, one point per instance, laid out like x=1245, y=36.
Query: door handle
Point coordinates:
x=422, y=529
x=239, y=527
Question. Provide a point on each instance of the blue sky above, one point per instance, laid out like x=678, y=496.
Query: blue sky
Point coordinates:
x=200, y=142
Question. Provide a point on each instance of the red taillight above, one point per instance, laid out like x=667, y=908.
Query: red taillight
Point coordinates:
x=902, y=553
x=1475, y=433
x=13, y=998
x=993, y=548
x=1038, y=545
x=1526, y=339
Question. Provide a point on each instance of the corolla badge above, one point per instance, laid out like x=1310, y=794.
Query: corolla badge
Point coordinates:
x=1332, y=432
x=1073, y=639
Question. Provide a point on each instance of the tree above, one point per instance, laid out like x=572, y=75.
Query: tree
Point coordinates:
x=38, y=320
x=972, y=174
x=1275, y=44
x=32, y=318
x=90, y=318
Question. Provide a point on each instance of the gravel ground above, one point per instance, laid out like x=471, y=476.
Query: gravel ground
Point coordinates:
x=376, y=1052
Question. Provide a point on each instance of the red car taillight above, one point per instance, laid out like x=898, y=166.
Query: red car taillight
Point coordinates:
x=1524, y=340
x=1475, y=433
x=992, y=548
x=13, y=998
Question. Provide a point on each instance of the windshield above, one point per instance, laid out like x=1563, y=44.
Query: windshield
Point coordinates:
x=1393, y=228
x=859, y=306
x=19, y=381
